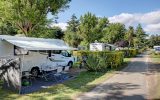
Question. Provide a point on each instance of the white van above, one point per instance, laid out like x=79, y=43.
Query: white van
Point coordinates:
x=36, y=54
x=39, y=61
x=157, y=49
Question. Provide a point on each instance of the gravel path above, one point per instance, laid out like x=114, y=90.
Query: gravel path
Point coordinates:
x=128, y=84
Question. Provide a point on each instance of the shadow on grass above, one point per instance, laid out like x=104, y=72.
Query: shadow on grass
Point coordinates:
x=5, y=94
x=82, y=83
x=155, y=56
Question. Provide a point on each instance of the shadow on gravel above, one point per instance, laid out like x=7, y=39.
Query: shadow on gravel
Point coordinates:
x=139, y=65
x=119, y=96
x=115, y=92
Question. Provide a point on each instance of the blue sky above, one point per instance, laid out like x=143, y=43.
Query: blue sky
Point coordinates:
x=129, y=12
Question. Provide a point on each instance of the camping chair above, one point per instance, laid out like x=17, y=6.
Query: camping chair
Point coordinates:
x=58, y=73
x=47, y=74
x=47, y=70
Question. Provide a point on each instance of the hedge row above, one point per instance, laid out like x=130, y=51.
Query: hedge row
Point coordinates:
x=100, y=61
x=130, y=52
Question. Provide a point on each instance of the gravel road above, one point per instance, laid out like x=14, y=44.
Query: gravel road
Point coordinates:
x=128, y=84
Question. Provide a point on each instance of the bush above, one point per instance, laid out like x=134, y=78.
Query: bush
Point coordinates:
x=130, y=52
x=142, y=50
x=100, y=60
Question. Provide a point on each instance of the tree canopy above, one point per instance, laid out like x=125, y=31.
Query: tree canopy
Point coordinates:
x=28, y=16
x=129, y=36
x=91, y=28
x=114, y=32
x=140, y=36
x=71, y=34
x=154, y=40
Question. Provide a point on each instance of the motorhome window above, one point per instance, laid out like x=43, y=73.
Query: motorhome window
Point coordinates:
x=56, y=51
x=44, y=52
x=20, y=51
x=66, y=54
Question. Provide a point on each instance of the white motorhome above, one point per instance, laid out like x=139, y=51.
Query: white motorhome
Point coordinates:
x=36, y=54
x=157, y=49
x=102, y=47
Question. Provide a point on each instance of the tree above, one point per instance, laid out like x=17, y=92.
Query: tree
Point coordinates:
x=121, y=43
x=91, y=28
x=99, y=30
x=71, y=35
x=28, y=16
x=114, y=32
x=73, y=24
x=154, y=40
x=54, y=32
x=7, y=29
x=140, y=36
x=87, y=24
x=129, y=36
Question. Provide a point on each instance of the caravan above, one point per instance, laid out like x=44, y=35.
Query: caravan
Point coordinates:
x=102, y=47
x=36, y=54
x=157, y=49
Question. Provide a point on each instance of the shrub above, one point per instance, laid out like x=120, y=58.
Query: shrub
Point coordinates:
x=141, y=50
x=130, y=52
x=100, y=60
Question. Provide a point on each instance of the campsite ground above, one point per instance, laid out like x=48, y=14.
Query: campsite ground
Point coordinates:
x=139, y=71
x=138, y=81
x=154, y=77
x=68, y=90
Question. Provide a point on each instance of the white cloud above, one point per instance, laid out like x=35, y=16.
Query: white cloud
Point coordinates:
x=63, y=26
x=152, y=28
x=124, y=18
x=150, y=20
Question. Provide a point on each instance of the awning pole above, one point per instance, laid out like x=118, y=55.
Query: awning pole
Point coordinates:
x=21, y=67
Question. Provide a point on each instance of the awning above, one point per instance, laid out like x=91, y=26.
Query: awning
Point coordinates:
x=37, y=43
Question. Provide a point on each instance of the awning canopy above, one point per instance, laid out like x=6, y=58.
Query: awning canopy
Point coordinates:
x=37, y=43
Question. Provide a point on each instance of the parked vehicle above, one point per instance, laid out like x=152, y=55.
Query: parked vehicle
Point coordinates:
x=157, y=49
x=102, y=47
x=36, y=54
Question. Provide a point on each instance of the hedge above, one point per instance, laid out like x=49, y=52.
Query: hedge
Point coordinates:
x=100, y=60
x=130, y=52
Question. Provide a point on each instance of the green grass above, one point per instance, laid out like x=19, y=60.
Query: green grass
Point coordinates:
x=157, y=93
x=127, y=60
x=66, y=91
x=156, y=61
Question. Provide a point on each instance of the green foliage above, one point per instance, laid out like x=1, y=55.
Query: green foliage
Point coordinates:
x=154, y=40
x=28, y=16
x=7, y=29
x=71, y=35
x=91, y=28
x=130, y=52
x=101, y=61
x=88, y=23
x=140, y=37
x=129, y=36
x=114, y=32
x=73, y=24
x=54, y=32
